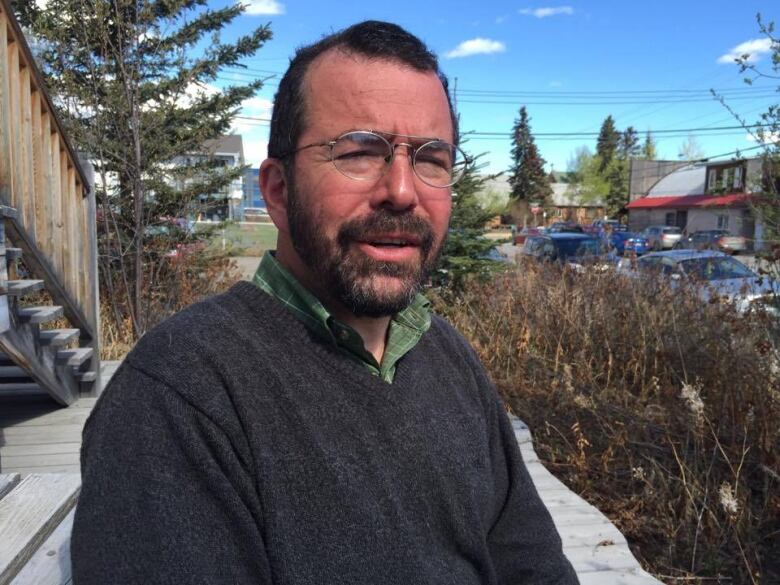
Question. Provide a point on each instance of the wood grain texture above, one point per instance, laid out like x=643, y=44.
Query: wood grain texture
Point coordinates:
x=29, y=514
x=50, y=565
x=7, y=482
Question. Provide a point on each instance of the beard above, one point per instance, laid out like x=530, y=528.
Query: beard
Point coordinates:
x=350, y=276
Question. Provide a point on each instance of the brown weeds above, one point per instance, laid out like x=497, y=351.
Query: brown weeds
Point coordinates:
x=660, y=409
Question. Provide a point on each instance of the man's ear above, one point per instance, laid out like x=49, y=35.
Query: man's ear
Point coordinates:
x=273, y=186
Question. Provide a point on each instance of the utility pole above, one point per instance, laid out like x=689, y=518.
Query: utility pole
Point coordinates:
x=455, y=96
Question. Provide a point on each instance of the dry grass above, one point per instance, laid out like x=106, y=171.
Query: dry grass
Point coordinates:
x=174, y=284
x=659, y=409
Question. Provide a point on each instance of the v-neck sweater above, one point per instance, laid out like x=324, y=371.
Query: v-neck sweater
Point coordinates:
x=234, y=446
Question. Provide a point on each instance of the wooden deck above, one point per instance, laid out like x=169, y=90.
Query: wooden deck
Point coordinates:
x=38, y=437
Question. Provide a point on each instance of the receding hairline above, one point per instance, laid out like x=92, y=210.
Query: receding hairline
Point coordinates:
x=357, y=57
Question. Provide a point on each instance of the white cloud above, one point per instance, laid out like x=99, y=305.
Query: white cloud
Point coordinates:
x=501, y=19
x=547, y=11
x=476, y=46
x=766, y=138
x=754, y=47
x=259, y=7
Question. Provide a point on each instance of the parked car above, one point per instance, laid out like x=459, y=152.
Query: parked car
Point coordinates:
x=622, y=241
x=567, y=247
x=565, y=226
x=721, y=240
x=637, y=244
x=603, y=225
x=662, y=237
x=714, y=273
x=520, y=236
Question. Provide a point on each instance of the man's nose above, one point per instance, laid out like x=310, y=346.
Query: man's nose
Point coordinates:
x=400, y=184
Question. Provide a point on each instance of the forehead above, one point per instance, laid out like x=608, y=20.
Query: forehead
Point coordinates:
x=344, y=91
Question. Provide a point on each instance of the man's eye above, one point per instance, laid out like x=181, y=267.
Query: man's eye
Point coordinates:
x=354, y=154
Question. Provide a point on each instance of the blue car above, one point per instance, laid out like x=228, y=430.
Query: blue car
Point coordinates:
x=617, y=241
x=633, y=243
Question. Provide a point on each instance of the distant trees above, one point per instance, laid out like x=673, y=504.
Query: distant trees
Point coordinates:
x=528, y=180
x=649, y=149
x=134, y=91
x=690, y=150
x=605, y=175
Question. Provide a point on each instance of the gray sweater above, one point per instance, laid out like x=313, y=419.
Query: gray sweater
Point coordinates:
x=233, y=447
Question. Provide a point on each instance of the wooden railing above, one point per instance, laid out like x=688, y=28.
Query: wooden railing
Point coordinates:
x=40, y=176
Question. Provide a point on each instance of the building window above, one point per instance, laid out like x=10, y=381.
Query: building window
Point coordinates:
x=725, y=179
x=723, y=222
x=670, y=218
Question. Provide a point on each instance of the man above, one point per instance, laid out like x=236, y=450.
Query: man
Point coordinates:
x=320, y=426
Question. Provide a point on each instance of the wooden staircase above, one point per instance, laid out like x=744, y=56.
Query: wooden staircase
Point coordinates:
x=35, y=359
x=48, y=221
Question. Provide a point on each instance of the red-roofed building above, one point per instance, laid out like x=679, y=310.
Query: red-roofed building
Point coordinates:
x=696, y=196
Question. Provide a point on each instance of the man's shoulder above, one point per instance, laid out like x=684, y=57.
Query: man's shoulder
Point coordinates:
x=191, y=338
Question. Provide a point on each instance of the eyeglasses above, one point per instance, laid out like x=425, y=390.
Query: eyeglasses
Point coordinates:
x=365, y=155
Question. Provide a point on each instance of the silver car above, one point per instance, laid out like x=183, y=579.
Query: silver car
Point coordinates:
x=662, y=237
x=718, y=274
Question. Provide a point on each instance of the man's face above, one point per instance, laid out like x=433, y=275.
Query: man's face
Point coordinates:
x=366, y=245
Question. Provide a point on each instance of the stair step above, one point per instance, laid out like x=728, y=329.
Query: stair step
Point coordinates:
x=7, y=212
x=18, y=288
x=21, y=389
x=13, y=372
x=39, y=314
x=89, y=376
x=58, y=337
x=13, y=253
x=73, y=357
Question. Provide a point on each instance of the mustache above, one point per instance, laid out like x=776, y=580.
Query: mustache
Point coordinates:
x=386, y=221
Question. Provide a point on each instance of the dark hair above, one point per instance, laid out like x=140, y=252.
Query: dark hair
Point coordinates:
x=373, y=39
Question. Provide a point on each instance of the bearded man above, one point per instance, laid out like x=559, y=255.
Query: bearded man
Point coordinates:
x=319, y=425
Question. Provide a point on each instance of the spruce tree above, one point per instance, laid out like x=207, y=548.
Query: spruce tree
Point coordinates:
x=649, y=149
x=607, y=143
x=135, y=83
x=465, y=251
x=527, y=179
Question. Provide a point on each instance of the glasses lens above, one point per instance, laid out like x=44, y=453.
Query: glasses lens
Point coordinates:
x=439, y=164
x=361, y=155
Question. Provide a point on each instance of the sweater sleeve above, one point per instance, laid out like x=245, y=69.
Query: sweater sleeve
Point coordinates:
x=166, y=495
x=523, y=542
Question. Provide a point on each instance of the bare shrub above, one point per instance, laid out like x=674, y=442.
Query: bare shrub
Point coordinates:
x=173, y=282
x=660, y=409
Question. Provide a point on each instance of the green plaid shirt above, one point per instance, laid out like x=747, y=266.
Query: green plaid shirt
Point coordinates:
x=406, y=327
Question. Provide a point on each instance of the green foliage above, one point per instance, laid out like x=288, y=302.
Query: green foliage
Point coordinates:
x=132, y=79
x=649, y=148
x=607, y=142
x=527, y=178
x=464, y=256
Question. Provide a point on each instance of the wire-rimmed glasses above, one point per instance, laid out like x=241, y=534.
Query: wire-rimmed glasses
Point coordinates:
x=366, y=155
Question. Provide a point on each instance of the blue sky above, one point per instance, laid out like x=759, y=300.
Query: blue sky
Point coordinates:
x=648, y=64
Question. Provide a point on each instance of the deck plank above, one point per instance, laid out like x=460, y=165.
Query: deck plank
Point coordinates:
x=30, y=513
x=50, y=565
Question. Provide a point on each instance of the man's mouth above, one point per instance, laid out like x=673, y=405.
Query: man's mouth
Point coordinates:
x=391, y=241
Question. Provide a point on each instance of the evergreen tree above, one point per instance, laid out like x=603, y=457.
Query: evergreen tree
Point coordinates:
x=628, y=146
x=466, y=248
x=649, y=149
x=527, y=178
x=134, y=89
x=607, y=143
